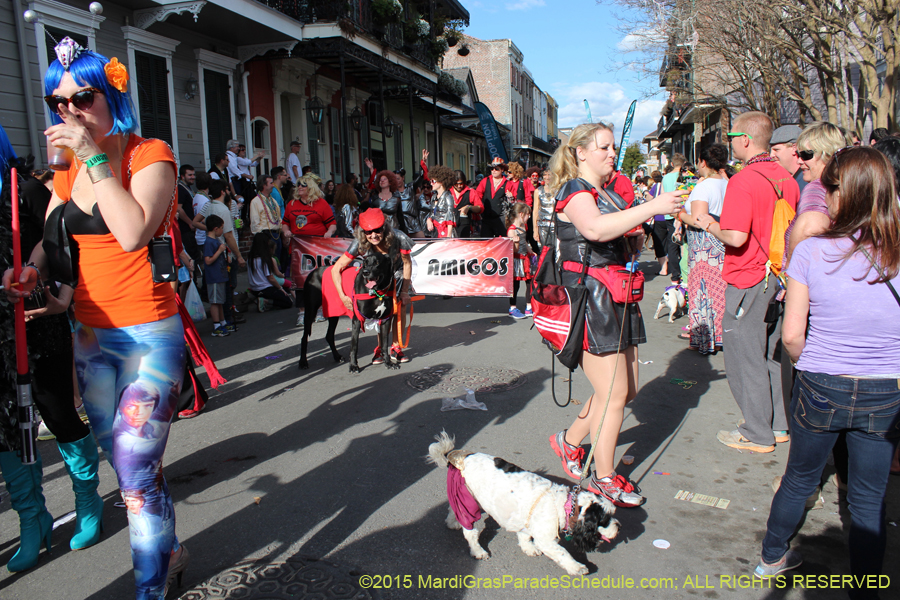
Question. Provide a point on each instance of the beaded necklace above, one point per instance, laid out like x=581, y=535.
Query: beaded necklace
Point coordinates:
x=761, y=157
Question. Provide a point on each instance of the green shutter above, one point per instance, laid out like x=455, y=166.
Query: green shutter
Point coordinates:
x=218, y=111
x=153, y=96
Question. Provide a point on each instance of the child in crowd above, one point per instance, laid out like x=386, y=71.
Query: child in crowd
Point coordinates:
x=516, y=221
x=263, y=275
x=216, y=271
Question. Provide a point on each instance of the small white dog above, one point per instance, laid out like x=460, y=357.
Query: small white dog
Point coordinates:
x=525, y=503
x=674, y=298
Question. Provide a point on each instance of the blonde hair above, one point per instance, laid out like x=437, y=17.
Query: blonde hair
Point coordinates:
x=312, y=182
x=824, y=139
x=564, y=163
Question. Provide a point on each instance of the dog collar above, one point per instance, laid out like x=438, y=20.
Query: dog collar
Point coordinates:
x=570, y=514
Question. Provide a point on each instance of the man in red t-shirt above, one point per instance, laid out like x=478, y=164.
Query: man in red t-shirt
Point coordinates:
x=753, y=347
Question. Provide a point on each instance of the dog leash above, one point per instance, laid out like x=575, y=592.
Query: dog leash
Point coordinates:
x=587, y=463
x=398, y=313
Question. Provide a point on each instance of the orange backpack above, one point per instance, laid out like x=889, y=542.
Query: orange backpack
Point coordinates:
x=781, y=220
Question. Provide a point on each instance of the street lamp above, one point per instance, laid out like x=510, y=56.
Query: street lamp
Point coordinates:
x=389, y=127
x=190, y=88
x=316, y=110
x=356, y=119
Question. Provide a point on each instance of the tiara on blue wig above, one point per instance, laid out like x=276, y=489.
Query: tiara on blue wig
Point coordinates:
x=86, y=68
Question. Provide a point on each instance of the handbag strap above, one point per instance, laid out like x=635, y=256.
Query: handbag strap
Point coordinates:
x=168, y=219
x=880, y=271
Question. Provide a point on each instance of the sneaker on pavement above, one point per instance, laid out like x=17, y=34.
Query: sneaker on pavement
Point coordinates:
x=528, y=312
x=572, y=456
x=790, y=560
x=378, y=359
x=617, y=489
x=230, y=327
x=261, y=304
x=320, y=318
x=44, y=433
x=397, y=354
x=300, y=319
x=515, y=313
x=734, y=439
x=220, y=332
x=781, y=437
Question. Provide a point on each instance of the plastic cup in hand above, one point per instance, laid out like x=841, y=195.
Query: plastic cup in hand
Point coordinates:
x=58, y=158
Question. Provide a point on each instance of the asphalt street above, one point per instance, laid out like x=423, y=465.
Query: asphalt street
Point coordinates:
x=324, y=471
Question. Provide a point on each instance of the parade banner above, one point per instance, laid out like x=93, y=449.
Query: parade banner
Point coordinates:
x=441, y=267
x=491, y=132
x=587, y=107
x=626, y=133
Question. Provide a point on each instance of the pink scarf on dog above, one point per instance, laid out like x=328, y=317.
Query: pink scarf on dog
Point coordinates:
x=464, y=505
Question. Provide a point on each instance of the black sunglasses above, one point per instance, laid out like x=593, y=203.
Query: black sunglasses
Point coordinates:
x=371, y=231
x=806, y=154
x=82, y=100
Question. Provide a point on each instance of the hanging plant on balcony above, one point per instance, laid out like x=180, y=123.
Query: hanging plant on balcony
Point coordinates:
x=452, y=36
x=437, y=48
x=386, y=12
x=415, y=30
x=463, y=50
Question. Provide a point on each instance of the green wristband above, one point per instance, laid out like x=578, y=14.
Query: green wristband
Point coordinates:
x=96, y=160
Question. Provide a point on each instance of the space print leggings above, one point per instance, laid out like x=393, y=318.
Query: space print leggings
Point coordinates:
x=130, y=379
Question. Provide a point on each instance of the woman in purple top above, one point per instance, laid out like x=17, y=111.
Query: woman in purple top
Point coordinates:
x=847, y=372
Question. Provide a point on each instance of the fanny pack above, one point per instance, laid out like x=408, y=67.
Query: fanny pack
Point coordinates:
x=625, y=287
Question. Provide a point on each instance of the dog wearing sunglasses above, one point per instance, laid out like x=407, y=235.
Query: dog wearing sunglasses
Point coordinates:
x=537, y=510
x=373, y=306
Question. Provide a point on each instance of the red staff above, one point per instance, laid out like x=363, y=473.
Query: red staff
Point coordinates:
x=27, y=421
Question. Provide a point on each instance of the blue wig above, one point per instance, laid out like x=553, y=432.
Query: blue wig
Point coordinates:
x=7, y=154
x=87, y=70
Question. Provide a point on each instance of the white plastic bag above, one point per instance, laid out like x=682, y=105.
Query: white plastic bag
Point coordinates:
x=193, y=304
x=459, y=403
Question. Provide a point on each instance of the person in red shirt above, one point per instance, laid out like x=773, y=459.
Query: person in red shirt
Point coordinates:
x=306, y=214
x=745, y=227
x=620, y=184
x=492, y=193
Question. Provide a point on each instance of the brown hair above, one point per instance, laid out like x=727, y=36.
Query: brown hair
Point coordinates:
x=344, y=194
x=515, y=170
x=394, y=181
x=387, y=237
x=443, y=175
x=867, y=206
x=514, y=211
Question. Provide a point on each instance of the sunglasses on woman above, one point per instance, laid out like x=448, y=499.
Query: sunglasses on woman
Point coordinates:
x=82, y=100
x=372, y=231
x=806, y=154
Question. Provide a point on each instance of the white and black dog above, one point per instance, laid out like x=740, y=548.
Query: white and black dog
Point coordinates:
x=675, y=299
x=534, y=508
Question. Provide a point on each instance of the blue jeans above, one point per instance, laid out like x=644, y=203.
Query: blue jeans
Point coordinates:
x=823, y=406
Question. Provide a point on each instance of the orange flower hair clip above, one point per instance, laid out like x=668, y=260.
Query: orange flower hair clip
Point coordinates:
x=116, y=74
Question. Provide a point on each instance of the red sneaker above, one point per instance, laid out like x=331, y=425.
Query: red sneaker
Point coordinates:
x=572, y=456
x=617, y=489
x=397, y=354
x=378, y=359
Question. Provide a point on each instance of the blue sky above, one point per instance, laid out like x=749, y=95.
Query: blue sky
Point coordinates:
x=570, y=47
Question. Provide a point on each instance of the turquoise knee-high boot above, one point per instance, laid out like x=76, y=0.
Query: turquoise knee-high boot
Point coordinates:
x=23, y=482
x=82, y=463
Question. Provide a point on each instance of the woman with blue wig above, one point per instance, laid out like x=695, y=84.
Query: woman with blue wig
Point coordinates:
x=115, y=202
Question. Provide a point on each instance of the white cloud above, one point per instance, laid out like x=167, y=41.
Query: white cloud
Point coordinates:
x=609, y=103
x=524, y=4
x=641, y=40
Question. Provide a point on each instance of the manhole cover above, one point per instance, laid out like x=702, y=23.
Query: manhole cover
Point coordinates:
x=484, y=380
x=294, y=579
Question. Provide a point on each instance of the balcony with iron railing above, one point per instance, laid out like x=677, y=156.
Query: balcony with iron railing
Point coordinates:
x=356, y=17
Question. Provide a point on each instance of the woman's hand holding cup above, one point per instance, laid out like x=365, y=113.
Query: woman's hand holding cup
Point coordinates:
x=72, y=134
x=669, y=203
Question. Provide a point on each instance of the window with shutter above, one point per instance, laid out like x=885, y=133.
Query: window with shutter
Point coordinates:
x=218, y=110
x=335, y=118
x=312, y=141
x=153, y=96
x=398, y=146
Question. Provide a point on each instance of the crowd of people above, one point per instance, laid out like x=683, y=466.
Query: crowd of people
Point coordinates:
x=799, y=367
x=783, y=297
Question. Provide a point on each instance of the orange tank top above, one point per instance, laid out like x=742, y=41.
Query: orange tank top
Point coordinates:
x=116, y=288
